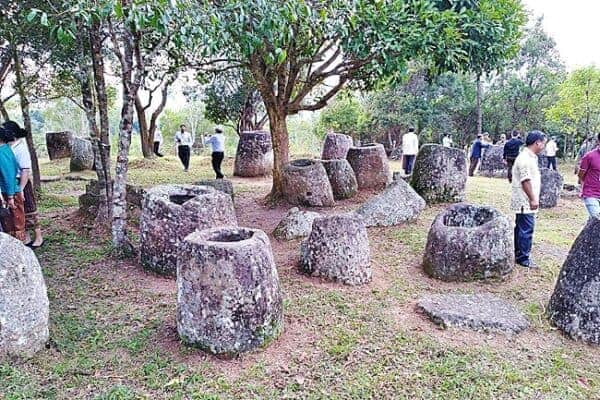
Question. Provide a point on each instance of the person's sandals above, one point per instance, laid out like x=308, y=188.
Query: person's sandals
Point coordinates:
x=32, y=246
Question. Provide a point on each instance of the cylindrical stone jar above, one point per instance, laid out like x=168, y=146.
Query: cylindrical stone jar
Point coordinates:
x=59, y=144
x=468, y=242
x=228, y=295
x=170, y=213
x=341, y=177
x=336, y=146
x=254, y=156
x=370, y=165
x=338, y=249
x=82, y=155
x=305, y=183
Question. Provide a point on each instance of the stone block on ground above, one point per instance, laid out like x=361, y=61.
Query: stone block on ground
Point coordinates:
x=82, y=155
x=59, y=144
x=336, y=146
x=90, y=200
x=338, y=249
x=295, y=225
x=552, y=184
x=305, y=183
x=228, y=296
x=479, y=312
x=570, y=191
x=170, y=213
x=341, y=177
x=50, y=178
x=370, y=165
x=222, y=185
x=492, y=163
x=397, y=204
x=575, y=304
x=440, y=174
x=254, y=156
x=23, y=300
x=468, y=242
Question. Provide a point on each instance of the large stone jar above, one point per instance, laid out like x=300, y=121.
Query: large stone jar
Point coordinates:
x=170, y=213
x=23, y=300
x=468, y=242
x=341, y=177
x=254, y=156
x=338, y=249
x=336, y=146
x=59, y=144
x=370, y=165
x=575, y=304
x=305, y=183
x=552, y=184
x=440, y=174
x=492, y=163
x=228, y=295
x=82, y=155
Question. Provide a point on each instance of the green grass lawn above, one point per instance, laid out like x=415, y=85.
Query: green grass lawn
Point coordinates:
x=113, y=325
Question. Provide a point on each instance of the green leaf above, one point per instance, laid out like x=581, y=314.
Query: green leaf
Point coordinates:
x=32, y=14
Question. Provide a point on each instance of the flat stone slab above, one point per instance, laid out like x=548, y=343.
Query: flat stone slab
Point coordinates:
x=80, y=177
x=47, y=179
x=479, y=312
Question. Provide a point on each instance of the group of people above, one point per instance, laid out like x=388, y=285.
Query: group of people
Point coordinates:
x=18, y=209
x=184, y=142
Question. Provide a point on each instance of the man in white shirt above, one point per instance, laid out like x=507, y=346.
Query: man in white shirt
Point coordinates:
x=551, y=150
x=447, y=140
x=410, y=148
x=184, y=142
x=526, y=186
x=158, y=139
x=217, y=144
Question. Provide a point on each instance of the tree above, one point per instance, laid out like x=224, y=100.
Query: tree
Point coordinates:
x=345, y=114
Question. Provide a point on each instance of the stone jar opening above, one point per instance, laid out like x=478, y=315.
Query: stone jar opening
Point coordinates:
x=468, y=217
x=302, y=163
x=230, y=236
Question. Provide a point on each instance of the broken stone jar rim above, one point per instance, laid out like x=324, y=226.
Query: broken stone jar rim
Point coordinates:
x=224, y=236
x=446, y=217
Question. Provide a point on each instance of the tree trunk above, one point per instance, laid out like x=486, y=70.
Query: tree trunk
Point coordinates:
x=280, y=139
x=479, y=112
x=4, y=112
x=24, y=102
x=146, y=138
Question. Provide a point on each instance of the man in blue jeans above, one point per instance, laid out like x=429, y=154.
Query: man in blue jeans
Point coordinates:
x=589, y=178
x=526, y=186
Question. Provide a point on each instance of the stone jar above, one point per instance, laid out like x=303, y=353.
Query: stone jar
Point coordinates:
x=228, y=296
x=575, y=304
x=59, y=144
x=440, y=174
x=305, y=183
x=82, y=155
x=492, y=163
x=370, y=165
x=295, y=224
x=338, y=249
x=468, y=242
x=254, y=156
x=336, y=146
x=23, y=300
x=342, y=179
x=552, y=184
x=170, y=213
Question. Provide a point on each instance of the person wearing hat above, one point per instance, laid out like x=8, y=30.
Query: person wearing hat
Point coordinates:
x=476, y=153
x=525, y=201
x=217, y=144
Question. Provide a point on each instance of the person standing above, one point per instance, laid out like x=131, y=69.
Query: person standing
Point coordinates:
x=10, y=189
x=476, y=152
x=588, y=145
x=217, y=144
x=511, y=151
x=410, y=148
x=502, y=140
x=158, y=139
x=589, y=179
x=184, y=141
x=551, y=150
x=526, y=186
x=447, y=140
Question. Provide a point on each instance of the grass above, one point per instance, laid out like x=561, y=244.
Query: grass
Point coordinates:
x=113, y=326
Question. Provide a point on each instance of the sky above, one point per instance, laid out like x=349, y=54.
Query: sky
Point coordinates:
x=574, y=25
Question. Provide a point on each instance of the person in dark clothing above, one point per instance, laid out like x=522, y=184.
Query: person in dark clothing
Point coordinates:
x=512, y=148
x=476, y=152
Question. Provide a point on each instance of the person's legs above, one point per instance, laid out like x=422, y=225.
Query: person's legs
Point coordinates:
x=593, y=206
x=510, y=162
x=180, y=153
x=552, y=163
x=157, y=149
x=524, y=226
x=187, y=155
x=473, y=166
x=217, y=159
x=31, y=215
x=17, y=222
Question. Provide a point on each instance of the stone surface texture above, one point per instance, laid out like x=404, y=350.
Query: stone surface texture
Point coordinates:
x=89, y=201
x=336, y=146
x=254, y=156
x=223, y=185
x=397, y=204
x=479, y=312
x=59, y=144
x=552, y=184
x=228, y=295
x=370, y=165
x=305, y=183
x=23, y=300
x=492, y=163
x=468, y=242
x=82, y=155
x=575, y=304
x=170, y=213
x=338, y=249
x=440, y=174
x=295, y=225
x=342, y=179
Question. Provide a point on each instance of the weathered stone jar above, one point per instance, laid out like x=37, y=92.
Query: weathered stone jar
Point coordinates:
x=59, y=144
x=170, y=213
x=341, y=177
x=228, y=295
x=440, y=174
x=254, y=156
x=468, y=242
x=552, y=184
x=82, y=155
x=305, y=183
x=370, y=165
x=492, y=163
x=336, y=146
x=338, y=249
x=23, y=300
x=575, y=304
